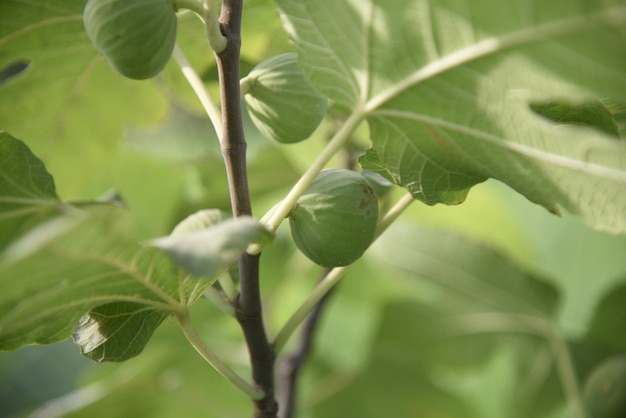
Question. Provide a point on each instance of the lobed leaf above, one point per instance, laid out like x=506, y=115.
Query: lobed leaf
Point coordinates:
x=89, y=261
x=447, y=89
x=63, y=264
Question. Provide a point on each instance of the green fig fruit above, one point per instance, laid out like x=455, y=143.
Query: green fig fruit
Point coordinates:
x=381, y=185
x=281, y=103
x=604, y=394
x=136, y=37
x=334, y=221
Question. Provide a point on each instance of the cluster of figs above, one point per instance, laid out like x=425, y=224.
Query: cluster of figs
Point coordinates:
x=334, y=221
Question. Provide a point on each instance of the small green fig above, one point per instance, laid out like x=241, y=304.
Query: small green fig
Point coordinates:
x=281, y=103
x=380, y=184
x=334, y=221
x=604, y=394
x=136, y=37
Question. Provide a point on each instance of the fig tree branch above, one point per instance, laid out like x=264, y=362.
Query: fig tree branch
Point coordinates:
x=290, y=365
x=248, y=304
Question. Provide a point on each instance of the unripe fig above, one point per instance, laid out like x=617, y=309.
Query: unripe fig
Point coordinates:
x=604, y=394
x=281, y=103
x=381, y=185
x=136, y=37
x=334, y=221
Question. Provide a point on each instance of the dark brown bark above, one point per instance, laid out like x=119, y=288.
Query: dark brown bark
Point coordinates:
x=248, y=304
x=289, y=366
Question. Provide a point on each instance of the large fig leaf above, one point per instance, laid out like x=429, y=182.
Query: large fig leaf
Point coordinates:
x=448, y=90
x=92, y=279
x=60, y=263
x=66, y=100
x=436, y=344
x=27, y=192
x=88, y=260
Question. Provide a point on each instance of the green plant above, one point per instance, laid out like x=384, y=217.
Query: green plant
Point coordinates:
x=432, y=99
x=604, y=393
x=334, y=220
x=282, y=105
x=137, y=38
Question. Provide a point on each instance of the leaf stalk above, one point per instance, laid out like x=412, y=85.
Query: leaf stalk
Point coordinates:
x=208, y=12
x=194, y=339
x=248, y=304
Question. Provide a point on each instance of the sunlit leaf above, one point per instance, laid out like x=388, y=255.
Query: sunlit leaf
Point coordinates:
x=55, y=269
x=593, y=113
x=446, y=88
x=27, y=192
x=70, y=101
x=199, y=220
x=116, y=331
x=93, y=260
x=212, y=250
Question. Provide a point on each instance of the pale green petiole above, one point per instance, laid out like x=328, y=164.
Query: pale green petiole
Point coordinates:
x=194, y=339
x=245, y=84
x=282, y=209
x=220, y=300
x=333, y=277
x=212, y=25
x=228, y=286
x=207, y=11
x=198, y=87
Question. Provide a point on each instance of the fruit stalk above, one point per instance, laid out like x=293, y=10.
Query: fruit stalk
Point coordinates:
x=280, y=212
x=333, y=277
x=211, y=23
x=248, y=304
x=198, y=87
x=207, y=11
x=194, y=339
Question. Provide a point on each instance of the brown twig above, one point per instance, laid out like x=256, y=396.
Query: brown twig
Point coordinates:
x=289, y=366
x=248, y=304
